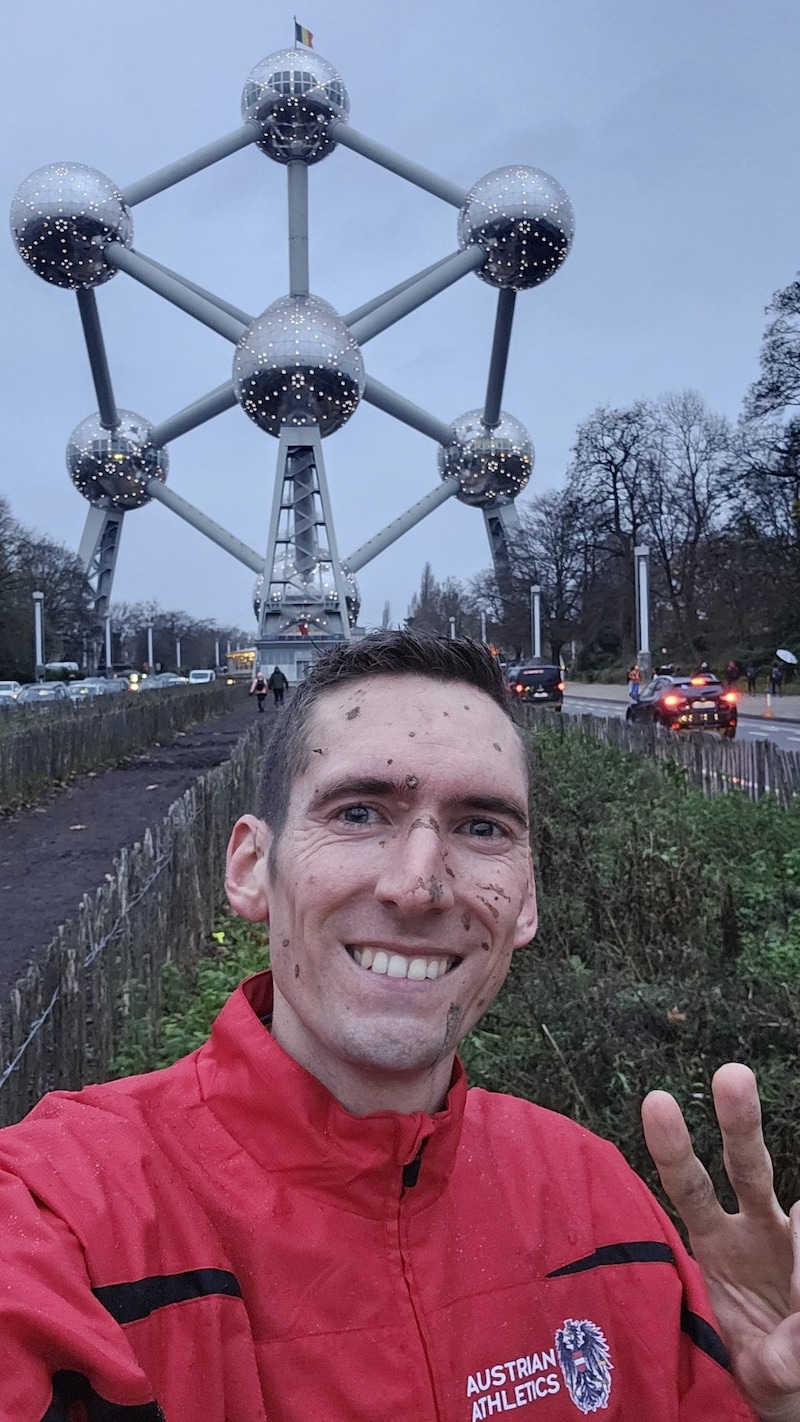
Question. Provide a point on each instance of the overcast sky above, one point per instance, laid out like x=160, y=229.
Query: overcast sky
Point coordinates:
x=673, y=127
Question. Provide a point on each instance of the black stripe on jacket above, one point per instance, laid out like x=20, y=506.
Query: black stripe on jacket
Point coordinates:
x=650, y=1251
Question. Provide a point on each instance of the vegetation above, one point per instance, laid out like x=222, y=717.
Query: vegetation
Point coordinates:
x=716, y=502
x=669, y=943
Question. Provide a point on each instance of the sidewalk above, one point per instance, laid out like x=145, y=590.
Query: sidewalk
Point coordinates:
x=784, y=708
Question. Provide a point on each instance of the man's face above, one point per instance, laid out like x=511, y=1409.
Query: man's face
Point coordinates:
x=400, y=885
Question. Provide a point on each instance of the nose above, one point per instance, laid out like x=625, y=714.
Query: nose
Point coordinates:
x=414, y=875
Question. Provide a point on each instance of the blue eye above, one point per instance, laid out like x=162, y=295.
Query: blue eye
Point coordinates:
x=356, y=815
x=482, y=829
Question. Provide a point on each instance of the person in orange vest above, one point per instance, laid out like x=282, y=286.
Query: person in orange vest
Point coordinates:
x=634, y=682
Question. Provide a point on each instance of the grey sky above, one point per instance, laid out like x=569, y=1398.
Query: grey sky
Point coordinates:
x=674, y=129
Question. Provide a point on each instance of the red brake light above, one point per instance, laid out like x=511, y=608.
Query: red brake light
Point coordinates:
x=731, y=697
x=699, y=681
x=519, y=686
x=673, y=700
x=562, y=686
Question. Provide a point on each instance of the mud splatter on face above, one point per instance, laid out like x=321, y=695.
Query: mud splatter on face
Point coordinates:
x=411, y=782
x=297, y=970
x=411, y=735
x=497, y=890
x=317, y=750
x=435, y=889
x=284, y=943
x=451, y=1026
x=466, y=919
x=490, y=906
x=449, y=871
x=485, y=947
x=351, y=715
x=498, y=748
x=426, y=822
x=390, y=760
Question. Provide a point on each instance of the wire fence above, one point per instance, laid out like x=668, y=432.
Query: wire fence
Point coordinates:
x=712, y=764
x=67, y=1016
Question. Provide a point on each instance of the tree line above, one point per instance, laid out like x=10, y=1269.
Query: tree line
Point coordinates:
x=30, y=562
x=717, y=503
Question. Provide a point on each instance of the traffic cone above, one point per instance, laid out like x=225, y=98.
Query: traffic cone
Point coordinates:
x=769, y=711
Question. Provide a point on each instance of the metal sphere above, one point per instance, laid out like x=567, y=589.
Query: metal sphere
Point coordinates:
x=62, y=216
x=293, y=95
x=492, y=466
x=111, y=467
x=524, y=220
x=297, y=364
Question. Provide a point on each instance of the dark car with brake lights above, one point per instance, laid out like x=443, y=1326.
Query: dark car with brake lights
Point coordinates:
x=543, y=686
x=687, y=703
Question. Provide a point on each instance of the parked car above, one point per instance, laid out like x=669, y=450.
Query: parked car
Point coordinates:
x=202, y=674
x=42, y=693
x=542, y=685
x=687, y=703
x=161, y=679
x=9, y=690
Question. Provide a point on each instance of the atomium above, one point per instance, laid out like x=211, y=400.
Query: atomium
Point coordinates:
x=62, y=217
x=291, y=589
x=111, y=467
x=524, y=220
x=293, y=95
x=492, y=465
x=297, y=364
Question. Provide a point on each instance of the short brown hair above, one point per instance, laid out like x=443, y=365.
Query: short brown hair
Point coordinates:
x=379, y=654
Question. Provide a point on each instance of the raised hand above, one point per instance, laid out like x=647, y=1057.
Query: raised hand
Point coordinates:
x=750, y=1260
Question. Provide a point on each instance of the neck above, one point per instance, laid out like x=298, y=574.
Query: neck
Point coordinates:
x=361, y=1090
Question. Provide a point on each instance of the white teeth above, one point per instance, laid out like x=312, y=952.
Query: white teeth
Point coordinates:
x=394, y=965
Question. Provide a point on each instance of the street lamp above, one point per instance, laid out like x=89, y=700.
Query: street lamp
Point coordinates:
x=150, y=666
x=536, y=622
x=178, y=655
x=483, y=625
x=641, y=563
x=38, y=634
x=452, y=622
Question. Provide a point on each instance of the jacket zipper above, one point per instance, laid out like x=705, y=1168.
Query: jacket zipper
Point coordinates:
x=410, y=1176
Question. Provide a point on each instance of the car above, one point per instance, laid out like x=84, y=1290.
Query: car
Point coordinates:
x=540, y=685
x=202, y=674
x=9, y=690
x=687, y=703
x=87, y=689
x=42, y=693
x=160, y=680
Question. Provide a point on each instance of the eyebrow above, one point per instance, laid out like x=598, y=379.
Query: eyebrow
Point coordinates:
x=383, y=787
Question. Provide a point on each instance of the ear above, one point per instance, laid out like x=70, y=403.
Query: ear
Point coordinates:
x=528, y=918
x=246, y=876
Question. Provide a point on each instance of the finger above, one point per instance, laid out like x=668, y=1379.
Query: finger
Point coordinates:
x=683, y=1176
x=747, y=1160
x=794, y=1225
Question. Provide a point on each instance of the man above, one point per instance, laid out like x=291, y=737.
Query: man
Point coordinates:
x=310, y=1217
x=278, y=685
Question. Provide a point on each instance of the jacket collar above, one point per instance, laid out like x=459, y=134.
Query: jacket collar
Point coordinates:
x=290, y=1124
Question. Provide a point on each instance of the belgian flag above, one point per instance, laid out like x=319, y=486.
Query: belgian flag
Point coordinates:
x=303, y=36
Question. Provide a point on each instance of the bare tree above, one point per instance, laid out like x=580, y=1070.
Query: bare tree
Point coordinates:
x=778, y=385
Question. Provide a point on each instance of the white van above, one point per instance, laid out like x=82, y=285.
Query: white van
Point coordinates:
x=202, y=674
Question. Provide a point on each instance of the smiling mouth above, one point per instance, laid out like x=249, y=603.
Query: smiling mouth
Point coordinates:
x=395, y=965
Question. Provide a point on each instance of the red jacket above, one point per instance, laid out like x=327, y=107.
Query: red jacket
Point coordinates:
x=222, y=1242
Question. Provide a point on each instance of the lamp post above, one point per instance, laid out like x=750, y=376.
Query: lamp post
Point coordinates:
x=109, y=658
x=641, y=563
x=38, y=634
x=536, y=622
x=216, y=652
x=178, y=655
x=150, y=649
x=483, y=625
x=452, y=622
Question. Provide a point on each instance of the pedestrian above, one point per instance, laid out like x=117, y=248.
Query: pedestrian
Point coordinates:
x=634, y=682
x=775, y=678
x=732, y=672
x=277, y=685
x=311, y=1216
x=751, y=674
x=258, y=688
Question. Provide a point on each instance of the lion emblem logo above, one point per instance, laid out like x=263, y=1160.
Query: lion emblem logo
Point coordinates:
x=584, y=1360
